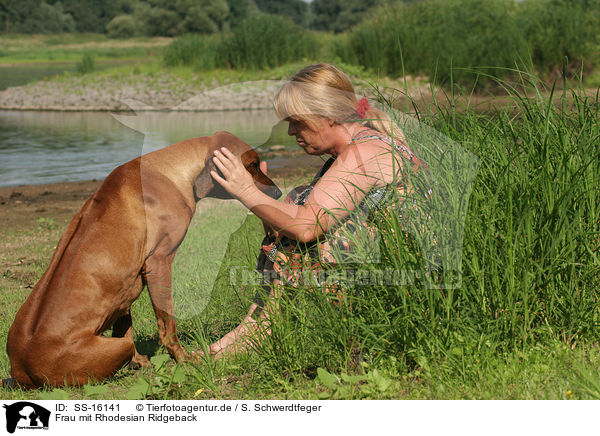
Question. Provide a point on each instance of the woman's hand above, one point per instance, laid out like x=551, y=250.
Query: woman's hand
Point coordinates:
x=236, y=179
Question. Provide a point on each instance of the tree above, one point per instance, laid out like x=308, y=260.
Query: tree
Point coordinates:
x=296, y=10
x=239, y=10
x=14, y=12
x=122, y=26
x=92, y=15
x=339, y=15
x=168, y=18
x=34, y=16
x=161, y=22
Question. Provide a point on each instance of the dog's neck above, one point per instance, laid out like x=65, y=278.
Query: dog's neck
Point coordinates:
x=184, y=163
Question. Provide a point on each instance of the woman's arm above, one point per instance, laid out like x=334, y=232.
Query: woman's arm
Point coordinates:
x=344, y=185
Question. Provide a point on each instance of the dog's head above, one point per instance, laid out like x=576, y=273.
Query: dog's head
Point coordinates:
x=206, y=186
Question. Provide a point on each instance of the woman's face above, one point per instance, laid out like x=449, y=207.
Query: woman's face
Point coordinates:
x=314, y=138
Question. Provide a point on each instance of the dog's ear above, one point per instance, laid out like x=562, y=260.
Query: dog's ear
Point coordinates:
x=204, y=182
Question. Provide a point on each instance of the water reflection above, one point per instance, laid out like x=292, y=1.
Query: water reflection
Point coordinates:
x=47, y=147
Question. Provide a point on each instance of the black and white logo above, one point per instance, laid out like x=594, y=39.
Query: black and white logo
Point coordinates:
x=26, y=415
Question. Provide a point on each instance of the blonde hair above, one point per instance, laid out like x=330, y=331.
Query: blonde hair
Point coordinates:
x=324, y=91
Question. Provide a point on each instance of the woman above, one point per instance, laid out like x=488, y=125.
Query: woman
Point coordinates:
x=369, y=155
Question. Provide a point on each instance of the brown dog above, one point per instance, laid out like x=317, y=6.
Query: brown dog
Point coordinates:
x=123, y=237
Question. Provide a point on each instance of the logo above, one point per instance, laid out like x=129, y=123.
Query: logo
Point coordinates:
x=26, y=415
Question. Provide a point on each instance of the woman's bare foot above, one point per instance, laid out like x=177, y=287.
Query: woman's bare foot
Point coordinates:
x=235, y=341
x=246, y=334
x=197, y=354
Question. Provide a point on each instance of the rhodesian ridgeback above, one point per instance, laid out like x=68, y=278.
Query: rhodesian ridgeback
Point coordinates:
x=125, y=235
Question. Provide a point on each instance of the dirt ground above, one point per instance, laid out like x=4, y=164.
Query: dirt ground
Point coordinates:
x=22, y=206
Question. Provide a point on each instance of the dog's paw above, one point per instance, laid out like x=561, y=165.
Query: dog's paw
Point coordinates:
x=139, y=361
x=9, y=383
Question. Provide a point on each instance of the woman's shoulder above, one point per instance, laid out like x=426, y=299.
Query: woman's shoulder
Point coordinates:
x=373, y=141
x=370, y=135
x=367, y=145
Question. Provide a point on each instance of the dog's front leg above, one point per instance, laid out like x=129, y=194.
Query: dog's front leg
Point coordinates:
x=158, y=278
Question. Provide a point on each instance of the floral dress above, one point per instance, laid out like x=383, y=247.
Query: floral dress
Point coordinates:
x=294, y=263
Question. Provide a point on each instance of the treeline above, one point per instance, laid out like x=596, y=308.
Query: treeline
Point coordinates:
x=125, y=18
x=462, y=40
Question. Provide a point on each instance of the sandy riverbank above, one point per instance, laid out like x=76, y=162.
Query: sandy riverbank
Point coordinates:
x=137, y=92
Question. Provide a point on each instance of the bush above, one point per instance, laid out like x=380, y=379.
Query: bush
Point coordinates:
x=198, y=21
x=122, y=26
x=166, y=18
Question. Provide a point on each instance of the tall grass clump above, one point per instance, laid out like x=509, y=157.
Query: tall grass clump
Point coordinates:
x=457, y=39
x=435, y=37
x=259, y=42
x=559, y=29
x=86, y=64
x=267, y=41
x=529, y=269
x=200, y=51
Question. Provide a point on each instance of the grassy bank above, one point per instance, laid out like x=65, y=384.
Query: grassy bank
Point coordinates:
x=40, y=49
x=521, y=324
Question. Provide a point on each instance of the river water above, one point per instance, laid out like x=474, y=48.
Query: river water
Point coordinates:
x=17, y=75
x=48, y=147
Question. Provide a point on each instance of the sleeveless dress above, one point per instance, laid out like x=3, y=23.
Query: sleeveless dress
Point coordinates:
x=290, y=261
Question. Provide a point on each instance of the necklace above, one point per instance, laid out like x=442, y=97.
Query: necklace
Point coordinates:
x=357, y=134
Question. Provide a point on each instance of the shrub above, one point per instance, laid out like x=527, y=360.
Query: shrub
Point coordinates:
x=262, y=41
x=160, y=22
x=122, y=26
x=198, y=21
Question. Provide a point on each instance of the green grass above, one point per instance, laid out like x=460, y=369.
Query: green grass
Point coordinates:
x=523, y=324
